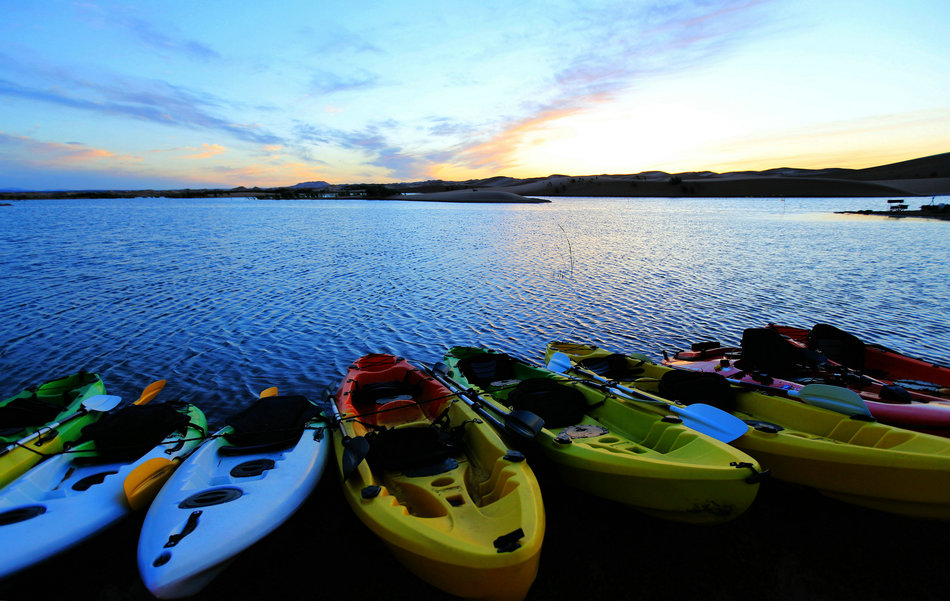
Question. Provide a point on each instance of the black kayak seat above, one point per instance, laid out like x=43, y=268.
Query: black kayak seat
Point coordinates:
x=484, y=368
x=557, y=404
x=134, y=430
x=271, y=421
x=767, y=351
x=412, y=448
x=613, y=367
x=24, y=412
x=838, y=345
x=690, y=387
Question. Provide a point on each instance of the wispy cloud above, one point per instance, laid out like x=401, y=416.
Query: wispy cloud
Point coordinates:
x=170, y=40
x=73, y=154
x=147, y=100
x=207, y=151
x=326, y=82
x=339, y=40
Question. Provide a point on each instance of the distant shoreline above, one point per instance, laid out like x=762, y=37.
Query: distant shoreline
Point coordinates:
x=942, y=216
x=923, y=177
x=602, y=186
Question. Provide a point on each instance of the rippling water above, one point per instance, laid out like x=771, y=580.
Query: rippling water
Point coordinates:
x=227, y=297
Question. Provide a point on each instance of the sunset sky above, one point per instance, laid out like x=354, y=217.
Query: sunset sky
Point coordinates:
x=173, y=94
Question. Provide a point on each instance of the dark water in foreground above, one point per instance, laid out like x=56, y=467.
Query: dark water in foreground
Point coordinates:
x=226, y=297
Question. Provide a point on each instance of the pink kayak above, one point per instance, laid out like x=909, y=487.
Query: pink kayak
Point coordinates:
x=887, y=403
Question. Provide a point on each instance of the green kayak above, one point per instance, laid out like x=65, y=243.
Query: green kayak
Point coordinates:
x=627, y=451
x=36, y=406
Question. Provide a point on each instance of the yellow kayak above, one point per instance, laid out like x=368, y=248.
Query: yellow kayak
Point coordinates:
x=439, y=486
x=858, y=461
x=611, y=447
x=45, y=440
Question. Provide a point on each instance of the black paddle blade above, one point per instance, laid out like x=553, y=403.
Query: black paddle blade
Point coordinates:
x=355, y=451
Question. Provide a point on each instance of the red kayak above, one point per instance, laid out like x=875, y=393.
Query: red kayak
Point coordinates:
x=770, y=360
x=871, y=359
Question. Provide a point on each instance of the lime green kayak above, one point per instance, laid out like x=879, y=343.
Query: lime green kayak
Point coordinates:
x=851, y=459
x=612, y=447
x=36, y=406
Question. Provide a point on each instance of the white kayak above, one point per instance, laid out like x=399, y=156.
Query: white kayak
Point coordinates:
x=72, y=496
x=234, y=490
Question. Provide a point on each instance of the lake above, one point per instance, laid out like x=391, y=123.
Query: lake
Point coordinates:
x=226, y=297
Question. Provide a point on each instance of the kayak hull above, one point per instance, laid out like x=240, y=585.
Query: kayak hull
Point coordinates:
x=214, y=489
x=633, y=453
x=73, y=499
x=443, y=521
x=866, y=463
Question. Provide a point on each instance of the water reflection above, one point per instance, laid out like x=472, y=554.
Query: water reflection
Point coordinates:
x=225, y=298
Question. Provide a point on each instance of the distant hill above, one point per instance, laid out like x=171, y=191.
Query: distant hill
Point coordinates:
x=927, y=176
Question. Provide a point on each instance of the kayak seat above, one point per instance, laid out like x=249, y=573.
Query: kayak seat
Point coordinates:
x=133, y=431
x=411, y=448
x=690, y=387
x=838, y=345
x=613, y=367
x=485, y=368
x=558, y=405
x=24, y=412
x=378, y=393
x=765, y=350
x=271, y=422
x=392, y=401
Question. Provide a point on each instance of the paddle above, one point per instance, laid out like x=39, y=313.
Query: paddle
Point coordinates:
x=100, y=402
x=835, y=398
x=520, y=423
x=150, y=392
x=355, y=448
x=703, y=418
x=826, y=396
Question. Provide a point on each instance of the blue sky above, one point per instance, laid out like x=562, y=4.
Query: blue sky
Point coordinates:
x=129, y=95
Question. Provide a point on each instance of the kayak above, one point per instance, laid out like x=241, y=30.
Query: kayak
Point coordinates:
x=873, y=360
x=53, y=437
x=237, y=487
x=36, y=406
x=72, y=496
x=623, y=450
x=768, y=360
x=851, y=459
x=451, y=500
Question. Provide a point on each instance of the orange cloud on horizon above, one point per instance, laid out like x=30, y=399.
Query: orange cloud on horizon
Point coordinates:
x=209, y=150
